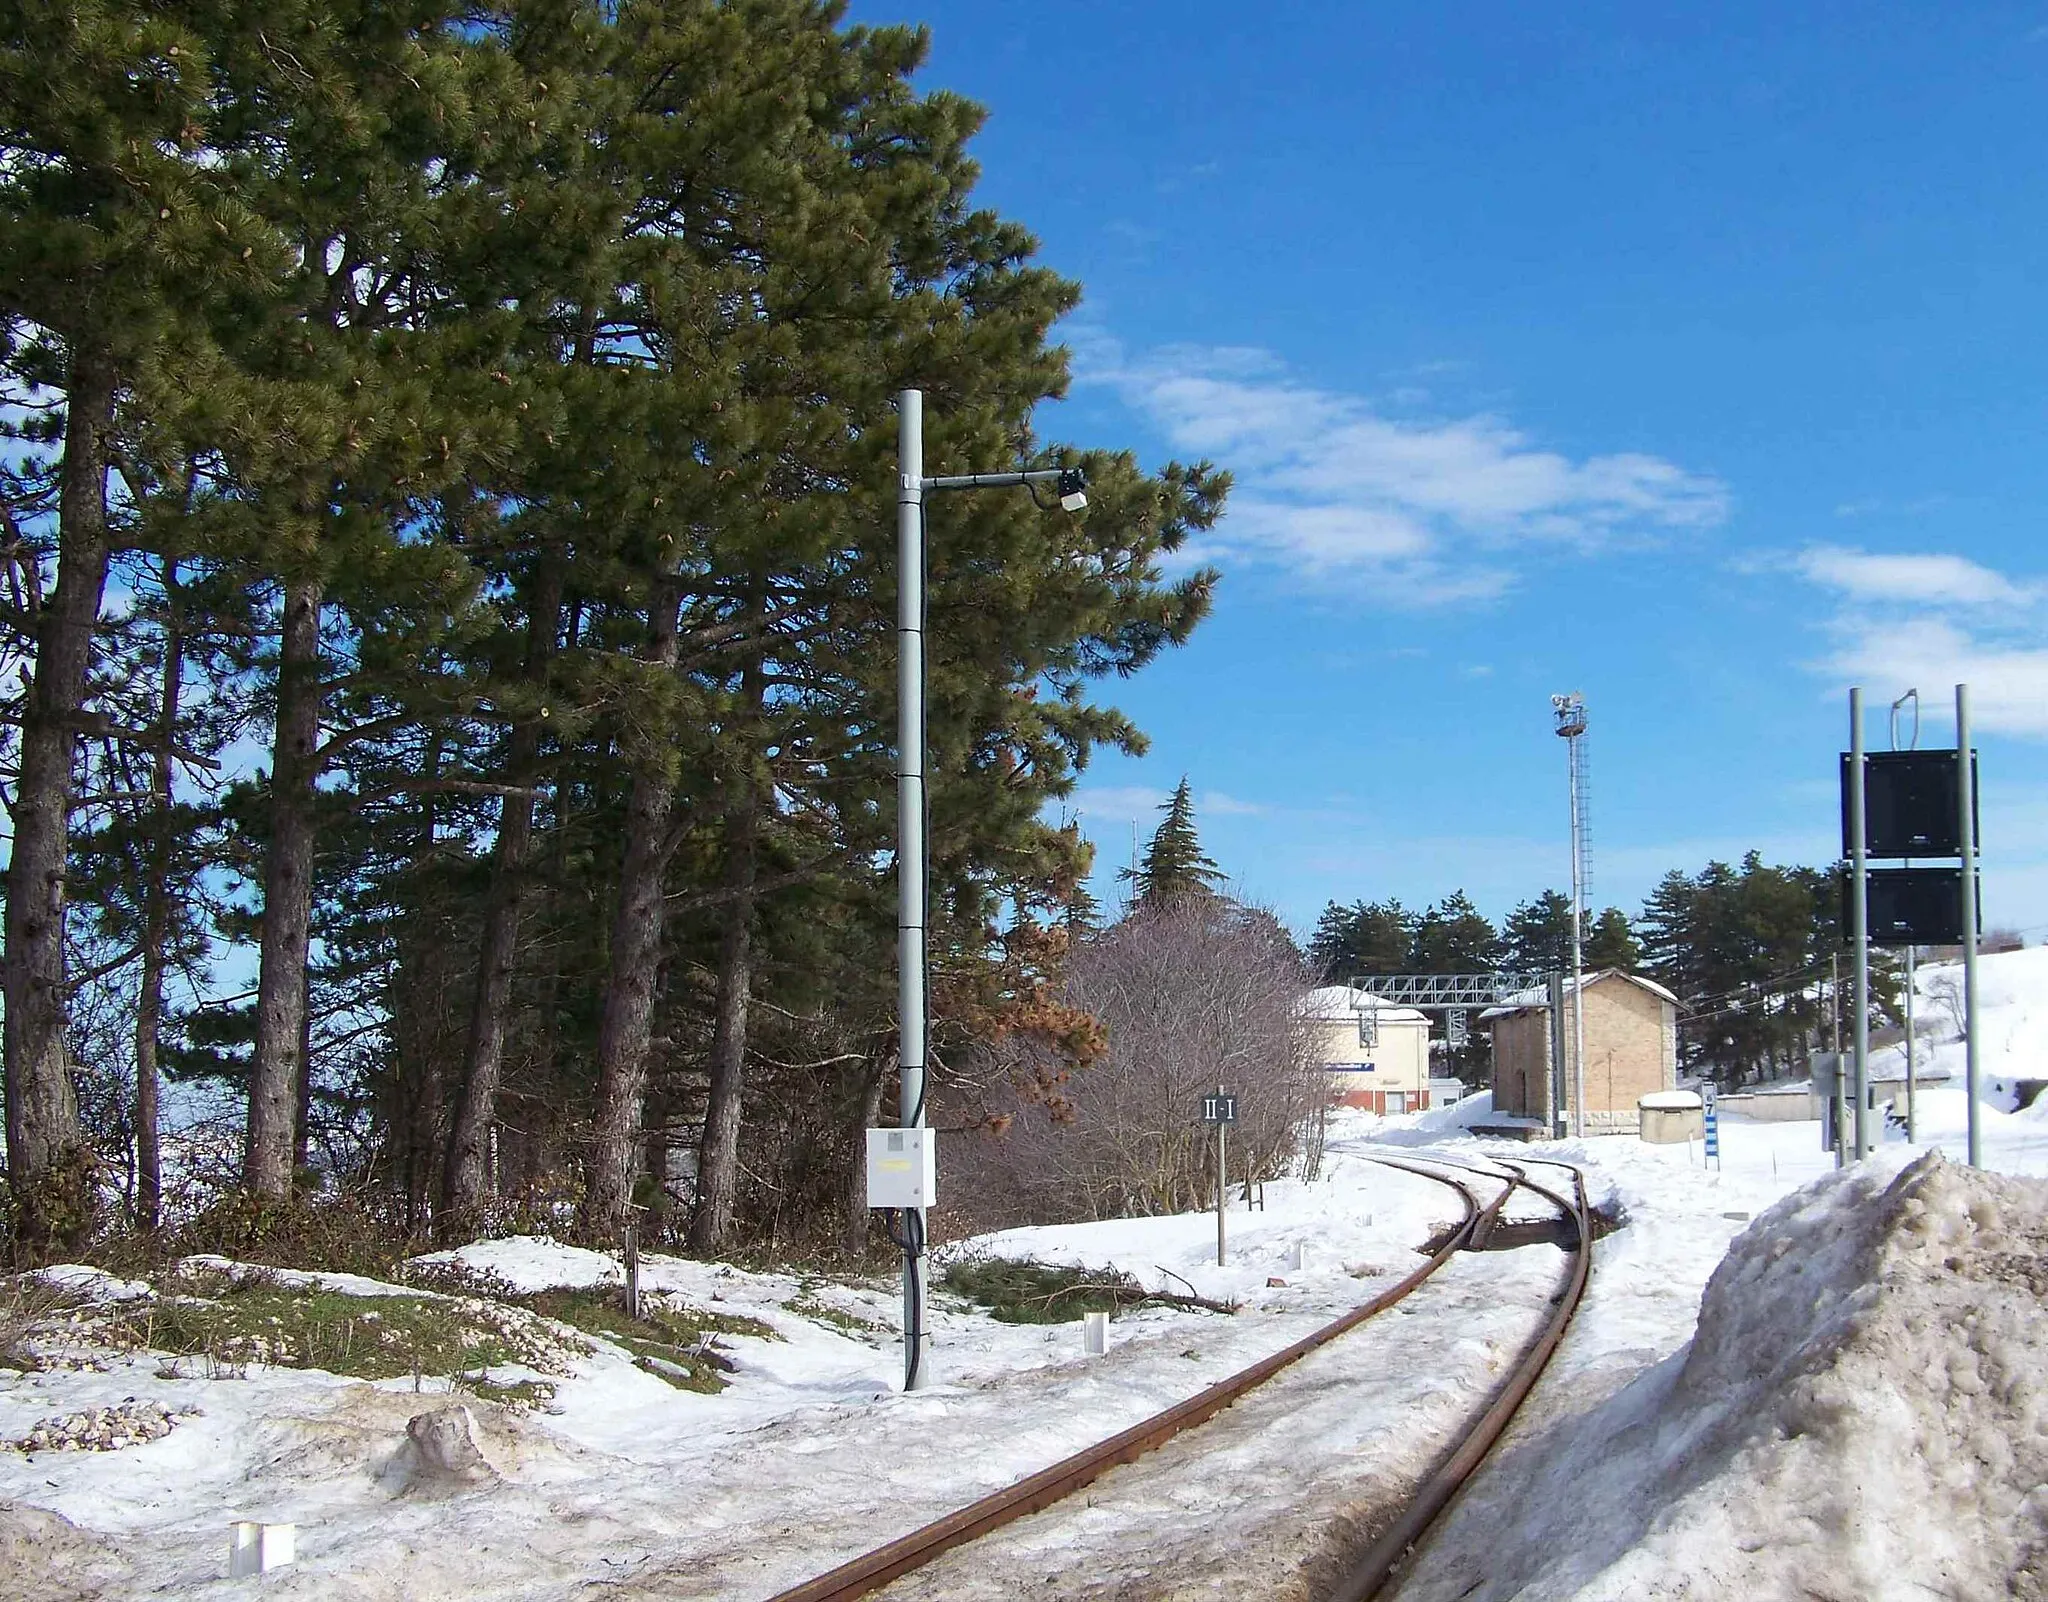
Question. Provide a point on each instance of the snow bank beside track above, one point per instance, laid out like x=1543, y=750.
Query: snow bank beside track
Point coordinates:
x=1862, y=1414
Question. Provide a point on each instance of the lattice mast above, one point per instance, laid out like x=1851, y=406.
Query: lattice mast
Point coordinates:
x=1570, y=714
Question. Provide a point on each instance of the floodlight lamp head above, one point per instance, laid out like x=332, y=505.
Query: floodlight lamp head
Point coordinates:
x=1073, y=497
x=1571, y=715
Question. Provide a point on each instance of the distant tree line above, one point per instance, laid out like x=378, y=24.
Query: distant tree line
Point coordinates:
x=447, y=599
x=1746, y=949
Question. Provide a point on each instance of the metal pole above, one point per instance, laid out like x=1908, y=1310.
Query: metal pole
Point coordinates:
x=910, y=852
x=1967, y=789
x=1571, y=747
x=1555, y=996
x=1912, y=1060
x=1912, y=952
x=1836, y=1096
x=1859, y=922
x=1222, y=1186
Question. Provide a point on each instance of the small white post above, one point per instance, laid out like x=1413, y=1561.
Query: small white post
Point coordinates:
x=255, y=1548
x=1095, y=1333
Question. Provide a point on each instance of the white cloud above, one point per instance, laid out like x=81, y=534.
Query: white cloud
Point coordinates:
x=1933, y=578
x=1932, y=620
x=2008, y=679
x=1417, y=510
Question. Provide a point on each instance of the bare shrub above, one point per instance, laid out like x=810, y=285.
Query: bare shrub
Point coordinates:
x=1196, y=995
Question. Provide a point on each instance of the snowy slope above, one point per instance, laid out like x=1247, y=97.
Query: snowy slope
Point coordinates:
x=811, y=1454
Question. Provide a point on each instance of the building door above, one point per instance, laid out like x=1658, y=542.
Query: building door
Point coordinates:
x=1397, y=1101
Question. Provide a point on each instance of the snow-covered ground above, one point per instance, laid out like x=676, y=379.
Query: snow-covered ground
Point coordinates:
x=811, y=1455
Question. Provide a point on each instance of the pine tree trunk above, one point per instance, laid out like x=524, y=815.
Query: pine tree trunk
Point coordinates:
x=463, y=1176
x=626, y=1026
x=287, y=902
x=868, y=1112
x=718, y=1158
x=44, y=1162
x=156, y=922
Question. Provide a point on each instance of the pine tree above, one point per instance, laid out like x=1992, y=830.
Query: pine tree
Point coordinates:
x=1455, y=937
x=1173, y=868
x=117, y=237
x=1538, y=934
x=1610, y=943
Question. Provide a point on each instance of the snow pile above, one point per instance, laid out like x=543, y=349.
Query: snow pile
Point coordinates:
x=1861, y=1414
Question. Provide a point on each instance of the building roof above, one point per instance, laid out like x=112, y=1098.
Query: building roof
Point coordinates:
x=1341, y=1004
x=1537, y=1000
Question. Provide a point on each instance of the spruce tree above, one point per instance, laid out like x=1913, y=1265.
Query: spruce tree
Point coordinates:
x=1173, y=868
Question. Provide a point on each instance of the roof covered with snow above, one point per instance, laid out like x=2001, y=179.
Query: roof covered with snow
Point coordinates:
x=1341, y=1004
x=1526, y=1000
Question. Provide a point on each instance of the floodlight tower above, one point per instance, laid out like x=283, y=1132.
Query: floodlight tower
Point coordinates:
x=1570, y=712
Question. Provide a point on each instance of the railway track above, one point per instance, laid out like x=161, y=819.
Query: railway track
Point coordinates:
x=1384, y=1559
x=873, y=1570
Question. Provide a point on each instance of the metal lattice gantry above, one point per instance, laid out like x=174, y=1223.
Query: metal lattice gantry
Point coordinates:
x=1437, y=991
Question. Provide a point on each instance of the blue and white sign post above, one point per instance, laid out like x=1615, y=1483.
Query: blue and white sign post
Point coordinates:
x=1713, y=1119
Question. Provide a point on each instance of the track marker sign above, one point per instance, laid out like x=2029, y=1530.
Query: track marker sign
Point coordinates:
x=1220, y=1110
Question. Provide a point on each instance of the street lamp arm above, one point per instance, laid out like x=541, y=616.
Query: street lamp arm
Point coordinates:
x=950, y=481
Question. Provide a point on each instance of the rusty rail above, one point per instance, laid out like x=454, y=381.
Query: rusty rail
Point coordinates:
x=1387, y=1554
x=873, y=1570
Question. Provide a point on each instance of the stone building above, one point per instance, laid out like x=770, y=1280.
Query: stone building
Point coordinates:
x=1631, y=1051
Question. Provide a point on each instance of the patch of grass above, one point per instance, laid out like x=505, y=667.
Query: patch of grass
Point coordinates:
x=806, y=1304
x=29, y=1307
x=519, y=1395
x=670, y=1340
x=230, y=1321
x=1043, y=1293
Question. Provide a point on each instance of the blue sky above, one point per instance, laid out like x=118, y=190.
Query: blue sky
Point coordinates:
x=1691, y=358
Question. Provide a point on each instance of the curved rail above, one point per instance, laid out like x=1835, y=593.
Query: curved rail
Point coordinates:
x=1385, y=1556
x=876, y=1569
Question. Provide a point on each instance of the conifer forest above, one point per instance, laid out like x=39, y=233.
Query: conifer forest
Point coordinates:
x=448, y=608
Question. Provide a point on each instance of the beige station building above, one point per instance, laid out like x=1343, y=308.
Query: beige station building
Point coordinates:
x=1375, y=1055
x=1631, y=1052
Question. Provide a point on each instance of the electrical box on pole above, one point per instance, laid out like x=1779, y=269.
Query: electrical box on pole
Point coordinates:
x=903, y=1167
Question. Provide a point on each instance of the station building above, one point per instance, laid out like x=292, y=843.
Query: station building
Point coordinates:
x=1631, y=1052
x=1375, y=1055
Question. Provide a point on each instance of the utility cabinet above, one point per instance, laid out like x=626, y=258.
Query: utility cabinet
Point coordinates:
x=903, y=1168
